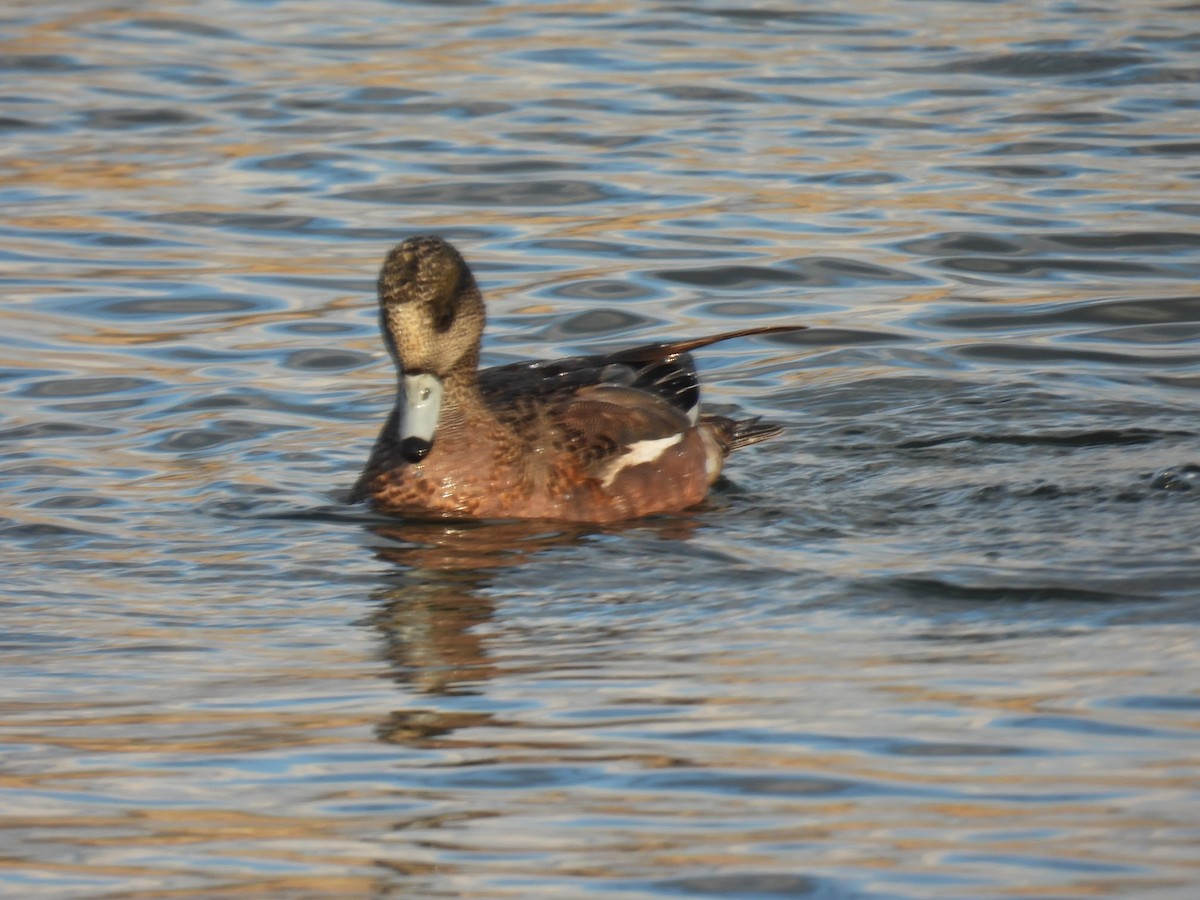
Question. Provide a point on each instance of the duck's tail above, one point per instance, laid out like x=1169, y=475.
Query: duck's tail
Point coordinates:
x=751, y=431
x=732, y=434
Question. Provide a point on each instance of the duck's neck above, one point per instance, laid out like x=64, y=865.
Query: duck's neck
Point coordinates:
x=461, y=397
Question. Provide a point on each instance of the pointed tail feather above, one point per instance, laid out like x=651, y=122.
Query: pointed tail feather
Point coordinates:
x=751, y=431
x=734, y=435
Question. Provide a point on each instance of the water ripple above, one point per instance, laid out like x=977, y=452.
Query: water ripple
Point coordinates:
x=936, y=640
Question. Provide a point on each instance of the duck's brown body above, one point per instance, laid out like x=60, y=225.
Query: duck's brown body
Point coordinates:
x=585, y=439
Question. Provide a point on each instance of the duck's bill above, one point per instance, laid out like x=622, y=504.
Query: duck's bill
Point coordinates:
x=422, y=404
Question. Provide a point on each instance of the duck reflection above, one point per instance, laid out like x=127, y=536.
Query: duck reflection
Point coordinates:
x=430, y=617
x=467, y=549
x=433, y=614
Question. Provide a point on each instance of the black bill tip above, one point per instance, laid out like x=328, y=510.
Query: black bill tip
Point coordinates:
x=415, y=449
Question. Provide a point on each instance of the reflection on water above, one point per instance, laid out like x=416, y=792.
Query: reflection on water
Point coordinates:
x=937, y=640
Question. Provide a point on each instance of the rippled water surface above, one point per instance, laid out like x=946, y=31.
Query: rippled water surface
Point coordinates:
x=938, y=640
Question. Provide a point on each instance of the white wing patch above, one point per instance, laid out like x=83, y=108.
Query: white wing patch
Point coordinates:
x=640, y=452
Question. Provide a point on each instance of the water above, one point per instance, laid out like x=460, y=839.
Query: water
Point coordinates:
x=936, y=641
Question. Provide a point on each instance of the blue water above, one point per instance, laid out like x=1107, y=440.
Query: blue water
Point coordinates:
x=937, y=640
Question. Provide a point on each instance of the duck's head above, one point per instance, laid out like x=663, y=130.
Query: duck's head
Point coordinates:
x=432, y=317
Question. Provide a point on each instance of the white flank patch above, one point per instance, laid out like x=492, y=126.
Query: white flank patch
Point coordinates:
x=638, y=453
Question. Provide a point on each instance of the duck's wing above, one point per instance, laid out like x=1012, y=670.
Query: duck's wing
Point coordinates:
x=612, y=411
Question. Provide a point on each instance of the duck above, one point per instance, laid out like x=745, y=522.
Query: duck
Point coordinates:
x=589, y=439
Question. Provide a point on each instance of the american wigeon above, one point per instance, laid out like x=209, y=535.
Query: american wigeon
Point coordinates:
x=584, y=439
